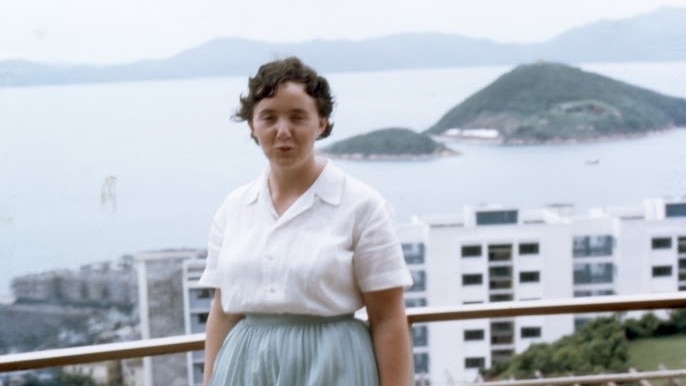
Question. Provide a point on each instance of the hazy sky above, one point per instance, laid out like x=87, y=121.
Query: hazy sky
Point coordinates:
x=105, y=31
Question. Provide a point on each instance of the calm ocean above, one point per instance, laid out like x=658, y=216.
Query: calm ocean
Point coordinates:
x=92, y=172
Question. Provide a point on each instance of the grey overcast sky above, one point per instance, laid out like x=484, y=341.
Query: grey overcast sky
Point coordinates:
x=115, y=31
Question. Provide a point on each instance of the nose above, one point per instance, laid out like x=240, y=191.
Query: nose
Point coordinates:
x=283, y=129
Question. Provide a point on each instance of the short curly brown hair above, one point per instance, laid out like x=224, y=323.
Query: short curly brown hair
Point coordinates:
x=272, y=74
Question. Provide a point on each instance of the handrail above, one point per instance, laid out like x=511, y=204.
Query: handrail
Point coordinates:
x=101, y=352
x=614, y=303
x=585, y=379
x=185, y=343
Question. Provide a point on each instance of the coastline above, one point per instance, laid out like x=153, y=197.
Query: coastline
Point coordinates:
x=452, y=141
x=392, y=157
x=500, y=141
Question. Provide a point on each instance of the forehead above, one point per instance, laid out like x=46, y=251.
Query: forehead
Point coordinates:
x=288, y=96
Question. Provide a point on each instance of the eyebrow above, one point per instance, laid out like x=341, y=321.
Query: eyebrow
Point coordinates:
x=271, y=111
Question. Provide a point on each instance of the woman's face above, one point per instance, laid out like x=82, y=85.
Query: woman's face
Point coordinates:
x=287, y=125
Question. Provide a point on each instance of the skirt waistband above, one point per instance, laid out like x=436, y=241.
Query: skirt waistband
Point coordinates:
x=295, y=318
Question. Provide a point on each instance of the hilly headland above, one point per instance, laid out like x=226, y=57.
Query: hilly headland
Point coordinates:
x=392, y=143
x=552, y=102
x=537, y=103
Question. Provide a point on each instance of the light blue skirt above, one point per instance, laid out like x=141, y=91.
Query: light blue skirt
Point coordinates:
x=296, y=350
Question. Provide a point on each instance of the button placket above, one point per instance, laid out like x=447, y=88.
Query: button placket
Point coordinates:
x=269, y=267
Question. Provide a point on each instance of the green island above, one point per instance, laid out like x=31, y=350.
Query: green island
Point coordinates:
x=388, y=144
x=552, y=103
x=538, y=103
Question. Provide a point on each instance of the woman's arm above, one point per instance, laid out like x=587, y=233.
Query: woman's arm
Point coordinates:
x=390, y=334
x=218, y=326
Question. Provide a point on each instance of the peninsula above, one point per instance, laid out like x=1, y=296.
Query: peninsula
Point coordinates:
x=388, y=144
x=551, y=103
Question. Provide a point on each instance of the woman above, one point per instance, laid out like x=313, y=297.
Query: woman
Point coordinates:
x=294, y=254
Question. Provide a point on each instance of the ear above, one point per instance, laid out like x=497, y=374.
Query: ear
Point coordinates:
x=252, y=133
x=323, y=122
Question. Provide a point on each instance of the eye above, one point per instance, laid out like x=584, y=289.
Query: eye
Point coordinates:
x=267, y=117
x=298, y=117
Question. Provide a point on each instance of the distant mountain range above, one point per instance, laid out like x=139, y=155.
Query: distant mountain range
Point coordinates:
x=655, y=36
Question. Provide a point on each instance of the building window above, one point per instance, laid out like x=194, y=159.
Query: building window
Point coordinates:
x=472, y=279
x=531, y=332
x=474, y=363
x=681, y=244
x=500, y=298
x=200, y=298
x=501, y=356
x=420, y=336
x=204, y=293
x=496, y=217
x=418, y=281
x=661, y=243
x=593, y=273
x=662, y=271
x=202, y=318
x=500, y=272
x=500, y=252
x=413, y=252
x=502, y=339
x=498, y=284
x=198, y=373
x=528, y=249
x=473, y=335
x=599, y=292
x=498, y=328
x=675, y=210
x=421, y=363
x=529, y=277
x=415, y=302
x=589, y=246
x=471, y=251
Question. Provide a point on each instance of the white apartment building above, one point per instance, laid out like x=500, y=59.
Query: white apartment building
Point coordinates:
x=197, y=301
x=491, y=253
x=161, y=294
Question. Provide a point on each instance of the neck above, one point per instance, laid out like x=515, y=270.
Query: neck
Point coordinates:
x=285, y=182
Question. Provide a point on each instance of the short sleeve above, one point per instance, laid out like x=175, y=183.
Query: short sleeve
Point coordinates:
x=378, y=260
x=210, y=277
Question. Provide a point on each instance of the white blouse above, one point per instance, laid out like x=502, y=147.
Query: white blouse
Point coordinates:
x=331, y=245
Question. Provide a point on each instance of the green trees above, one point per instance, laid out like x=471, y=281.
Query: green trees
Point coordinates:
x=602, y=345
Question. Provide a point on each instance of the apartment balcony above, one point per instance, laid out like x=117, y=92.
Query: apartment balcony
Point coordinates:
x=188, y=343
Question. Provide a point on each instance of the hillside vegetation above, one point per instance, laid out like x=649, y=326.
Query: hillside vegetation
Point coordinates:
x=548, y=102
x=605, y=344
x=387, y=143
x=650, y=353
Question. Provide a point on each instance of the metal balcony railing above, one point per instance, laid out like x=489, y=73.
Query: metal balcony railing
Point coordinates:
x=185, y=343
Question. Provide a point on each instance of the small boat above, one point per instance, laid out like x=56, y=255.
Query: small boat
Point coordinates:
x=593, y=161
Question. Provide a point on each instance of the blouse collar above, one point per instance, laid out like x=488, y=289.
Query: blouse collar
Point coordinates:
x=328, y=186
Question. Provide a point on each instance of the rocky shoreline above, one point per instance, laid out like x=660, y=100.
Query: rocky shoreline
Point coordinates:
x=556, y=141
x=392, y=157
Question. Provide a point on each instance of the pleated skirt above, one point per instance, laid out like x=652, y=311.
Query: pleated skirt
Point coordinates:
x=296, y=350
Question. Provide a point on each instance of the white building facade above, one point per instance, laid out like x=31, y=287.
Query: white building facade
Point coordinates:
x=493, y=254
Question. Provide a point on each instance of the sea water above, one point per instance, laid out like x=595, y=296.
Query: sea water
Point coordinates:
x=92, y=172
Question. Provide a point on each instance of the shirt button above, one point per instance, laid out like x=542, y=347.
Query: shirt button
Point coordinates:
x=270, y=257
x=272, y=290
